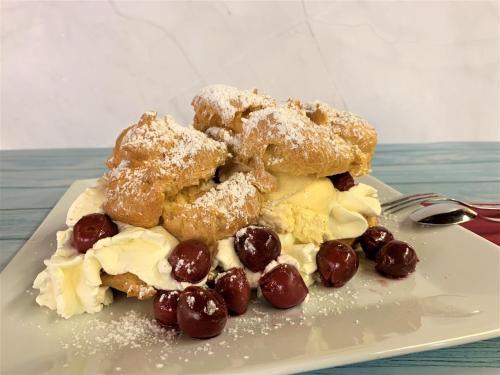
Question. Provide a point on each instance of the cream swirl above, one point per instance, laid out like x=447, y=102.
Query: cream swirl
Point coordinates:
x=349, y=210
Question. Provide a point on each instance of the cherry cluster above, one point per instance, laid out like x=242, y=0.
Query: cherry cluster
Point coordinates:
x=202, y=312
x=393, y=259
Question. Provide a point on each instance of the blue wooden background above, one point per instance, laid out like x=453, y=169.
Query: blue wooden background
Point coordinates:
x=32, y=181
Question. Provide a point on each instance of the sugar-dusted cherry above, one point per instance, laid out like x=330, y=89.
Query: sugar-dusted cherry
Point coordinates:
x=165, y=307
x=283, y=286
x=233, y=286
x=257, y=247
x=201, y=312
x=190, y=261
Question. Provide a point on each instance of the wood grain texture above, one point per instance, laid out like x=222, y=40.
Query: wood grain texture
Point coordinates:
x=32, y=181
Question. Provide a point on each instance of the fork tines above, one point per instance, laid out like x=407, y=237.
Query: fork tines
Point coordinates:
x=407, y=201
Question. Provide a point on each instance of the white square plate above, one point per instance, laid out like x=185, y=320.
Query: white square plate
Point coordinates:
x=452, y=298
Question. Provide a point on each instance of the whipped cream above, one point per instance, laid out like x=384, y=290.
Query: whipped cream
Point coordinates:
x=71, y=282
x=314, y=211
x=70, y=285
x=140, y=251
x=227, y=258
x=305, y=256
x=91, y=201
x=349, y=210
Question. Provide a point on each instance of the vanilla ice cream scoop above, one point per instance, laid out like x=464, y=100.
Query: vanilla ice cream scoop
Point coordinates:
x=314, y=211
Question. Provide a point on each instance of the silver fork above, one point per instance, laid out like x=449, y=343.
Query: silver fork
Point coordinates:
x=400, y=203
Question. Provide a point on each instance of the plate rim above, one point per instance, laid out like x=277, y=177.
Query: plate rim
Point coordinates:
x=314, y=362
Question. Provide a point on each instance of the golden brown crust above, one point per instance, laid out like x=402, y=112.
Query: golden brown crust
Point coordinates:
x=214, y=213
x=350, y=127
x=289, y=138
x=159, y=170
x=372, y=221
x=226, y=105
x=155, y=159
x=130, y=284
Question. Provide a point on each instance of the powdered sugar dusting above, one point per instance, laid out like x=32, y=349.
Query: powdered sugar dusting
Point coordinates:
x=145, y=291
x=235, y=192
x=185, y=265
x=116, y=172
x=130, y=183
x=190, y=301
x=229, y=100
x=162, y=297
x=356, y=304
x=288, y=124
x=162, y=148
x=248, y=244
x=337, y=117
x=131, y=330
x=286, y=128
x=220, y=275
x=244, y=231
x=344, y=123
x=210, y=308
x=225, y=136
x=177, y=143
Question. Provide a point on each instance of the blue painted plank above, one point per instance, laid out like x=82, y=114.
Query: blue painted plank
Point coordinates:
x=426, y=157
x=20, y=224
x=438, y=147
x=9, y=248
x=481, y=354
x=475, y=192
x=415, y=370
x=47, y=178
x=438, y=173
x=55, y=153
x=35, y=197
x=33, y=160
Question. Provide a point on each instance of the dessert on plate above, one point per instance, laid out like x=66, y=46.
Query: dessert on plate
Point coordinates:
x=256, y=194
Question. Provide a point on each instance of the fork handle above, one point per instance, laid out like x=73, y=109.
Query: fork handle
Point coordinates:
x=476, y=206
x=494, y=219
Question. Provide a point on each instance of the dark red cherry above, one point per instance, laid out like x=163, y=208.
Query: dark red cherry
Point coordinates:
x=373, y=239
x=165, y=307
x=396, y=259
x=283, y=287
x=342, y=181
x=337, y=263
x=257, y=247
x=90, y=229
x=190, y=261
x=201, y=313
x=233, y=286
